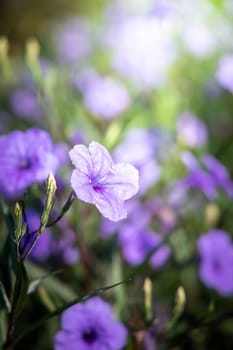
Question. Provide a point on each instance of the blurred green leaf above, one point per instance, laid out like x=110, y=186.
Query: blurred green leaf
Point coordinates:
x=53, y=284
x=218, y=3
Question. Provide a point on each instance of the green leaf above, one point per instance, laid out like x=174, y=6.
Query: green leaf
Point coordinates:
x=64, y=307
x=3, y=327
x=50, y=282
x=20, y=291
x=6, y=301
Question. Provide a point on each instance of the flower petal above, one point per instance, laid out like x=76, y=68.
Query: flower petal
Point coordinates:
x=124, y=180
x=110, y=206
x=101, y=160
x=81, y=158
x=81, y=186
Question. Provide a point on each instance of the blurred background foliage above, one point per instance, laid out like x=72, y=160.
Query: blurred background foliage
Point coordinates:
x=21, y=19
x=190, y=86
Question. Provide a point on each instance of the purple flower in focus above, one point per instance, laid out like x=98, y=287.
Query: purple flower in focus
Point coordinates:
x=216, y=266
x=26, y=157
x=219, y=173
x=97, y=180
x=224, y=74
x=90, y=326
x=25, y=104
x=191, y=130
x=103, y=96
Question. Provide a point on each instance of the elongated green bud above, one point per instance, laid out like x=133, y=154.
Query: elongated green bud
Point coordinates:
x=49, y=202
x=180, y=301
x=4, y=58
x=32, y=58
x=32, y=50
x=18, y=221
x=4, y=48
x=148, y=299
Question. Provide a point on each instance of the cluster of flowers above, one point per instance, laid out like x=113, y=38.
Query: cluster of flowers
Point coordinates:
x=134, y=32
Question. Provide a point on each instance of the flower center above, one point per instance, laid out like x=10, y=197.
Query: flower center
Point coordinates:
x=217, y=266
x=25, y=164
x=98, y=188
x=89, y=335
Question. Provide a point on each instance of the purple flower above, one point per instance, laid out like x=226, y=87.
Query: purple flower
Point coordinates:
x=135, y=210
x=164, y=215
x=200, y=179
x=199, y=39
x=143, y=50
x=90, y=326
x=65, y=245
x=137, y=241
x=26, y=157
x=105, y=97
x=197, y=178
x=73, y=41
x=49, y=246
x=191, y=130
x=219, y=173
x=216, y=266
x=25, y=104
x=224, y=74
x=44, y=247
x=138, y=148
x=97, y=180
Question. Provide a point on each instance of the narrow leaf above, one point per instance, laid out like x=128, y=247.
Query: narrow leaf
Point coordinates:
x=64, y=307
x=20, y=291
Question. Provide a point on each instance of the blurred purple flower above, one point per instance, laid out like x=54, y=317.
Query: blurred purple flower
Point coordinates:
x=219, y=173
x=143, y=50
x=191, y=130
x=134, y=210
x=216, y=265
x=44, y=247
x=137, y=241
x=73, y=41
x=90, y=326
x=164, y=214
x=97, y=180
x=138, y=148
x=199, y=39
x=61, y=150
x=49, y=246
x=26, y=157
x=138, y=145
x=224, y=74
x=25, y=104
x=199, y=179
x=65, y=244
x=105, y=97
